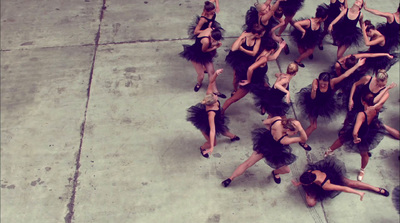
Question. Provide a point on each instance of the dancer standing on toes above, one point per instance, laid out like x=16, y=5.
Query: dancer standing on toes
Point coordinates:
x=326, y=178
x=201, y=54
x=334, y=9
x=362, y=135
x=318, y=99
x=206, y=20
x=345, y=32
x=390, y=29
x=206, y=116
x=256, y=73
x=275, y=101
x=243, y=53
x=272, y=143
x=307, y=34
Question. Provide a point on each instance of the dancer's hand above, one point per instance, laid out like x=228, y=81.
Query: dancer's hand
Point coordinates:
x=282, y=44
x=208, y=151
x=392, y=85
x=351, y=104
x=357, y=140
x=330, y=28
x=303, y=34
x=219, y=71
x=389, y=56
x=361, y=61
x=244, y=82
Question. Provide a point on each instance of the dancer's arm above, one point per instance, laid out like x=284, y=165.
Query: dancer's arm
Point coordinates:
x=217, y=6
x=369, y=42
x=255, y=48
x=277, y=52
x=298, y=128
x=342, y=13
x=205, y=43
x=389, y=16
x=212, y=80
x=382, y=97
x=346, y=74
x=314, y=87
x=300, y=24
x=279, y=85
x=198, y=30
x=239, y=41
x=360, y=119
x=250, y=70
x=364, y=80
x=367, y=55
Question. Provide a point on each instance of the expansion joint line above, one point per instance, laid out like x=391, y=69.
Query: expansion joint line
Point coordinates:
x=68, y=218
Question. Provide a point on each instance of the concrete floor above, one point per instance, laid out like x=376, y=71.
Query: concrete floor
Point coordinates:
x=93, y=129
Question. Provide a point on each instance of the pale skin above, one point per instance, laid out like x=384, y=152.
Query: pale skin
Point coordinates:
x=249, y=39
x=352, y=15
x=210, y=137
x=350, y=184
x=357, y=56
x=302, y=26
x=373, y=37
x=209, y=66
x=202, y=20
x=266, y=12
x=390, y=17
x=323, y=87
x=216, y=2
x=261, y=61
x=277, y=132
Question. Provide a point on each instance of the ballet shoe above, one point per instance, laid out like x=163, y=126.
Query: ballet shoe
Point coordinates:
x=204, y=155
x=236, y=138
x=277, y=180
x=226, y=182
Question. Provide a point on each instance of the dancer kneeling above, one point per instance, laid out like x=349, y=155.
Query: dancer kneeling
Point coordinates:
x=326, y=178
x=272, y=143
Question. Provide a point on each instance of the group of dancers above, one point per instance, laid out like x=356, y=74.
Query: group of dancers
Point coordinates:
x=346, y=86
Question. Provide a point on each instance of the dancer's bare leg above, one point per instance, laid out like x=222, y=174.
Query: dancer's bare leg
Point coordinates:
x=282, y=170
x=392, y=131
x=254, y=158
x=341, y=50
x=240, y=93
x=200, y=72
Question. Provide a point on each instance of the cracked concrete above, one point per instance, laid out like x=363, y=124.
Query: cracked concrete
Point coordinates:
x=93, y=129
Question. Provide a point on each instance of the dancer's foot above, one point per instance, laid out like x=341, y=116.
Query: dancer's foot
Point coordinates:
x=305, y=146
x=360, y=176
x=300, y=64
x=235, y=138
x=226, y=182
x=276, y=179
x=383, y=192
x=197, y=87
x=219, y=94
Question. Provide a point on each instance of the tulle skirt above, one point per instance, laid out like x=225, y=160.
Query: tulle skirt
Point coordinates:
x=310, y=39
x=391, y=33
x=345, y=34
x=271, y=100
x=192, y=27
x=276, y=155
x=198, y=116
x=290, y=7
x=326, y=107
x=334, y=169
x=194, y=53
x=240, y=62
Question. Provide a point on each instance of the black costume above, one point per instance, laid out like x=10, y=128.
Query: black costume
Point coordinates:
x=198, y=116
x=346, y=32
x=195, y=53
x=310, y=39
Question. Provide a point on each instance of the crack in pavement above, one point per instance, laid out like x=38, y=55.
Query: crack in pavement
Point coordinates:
x=69, y=216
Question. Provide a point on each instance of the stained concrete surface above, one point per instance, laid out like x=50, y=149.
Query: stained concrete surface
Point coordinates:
x=93, y=129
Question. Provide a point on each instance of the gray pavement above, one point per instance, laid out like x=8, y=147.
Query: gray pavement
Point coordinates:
x=93, y=129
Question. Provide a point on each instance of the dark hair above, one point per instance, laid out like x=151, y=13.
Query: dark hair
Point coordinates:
x=369, y=25
x=278, y=13
x=307, y=178
x=269, y=44
x=208, y=6
x=350, y=61
x=257, y=29
x=368, y=99
x=287, y=124
x=324, y=76
x=321, y=12
x=216, y=34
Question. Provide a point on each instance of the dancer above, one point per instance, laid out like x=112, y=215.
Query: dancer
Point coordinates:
x=362, y=135
x=206, y=117
x=307, y=34
x=216, y=3
x=243, y=52
x=256, y=73
x=318, y=99
x=326, y=178
x=201, y=54
x=206, y=20
x=334, y=9
x=275, y=101
x=289, y=7
x=346, y=33
x=390, y=29
x=346, y=62
x=272, y=143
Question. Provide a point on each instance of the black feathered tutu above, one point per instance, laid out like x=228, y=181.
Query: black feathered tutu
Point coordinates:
x=310, y=39
x=196, y=20
x=290, y=7
x=346, y=32
x=376, y=63
x=335, y=171
x=198, y=116
x=324, y=105
x=194, y=53
x=272, y=100
x=391, y=33
x=240, y=62
x=333, y=12
x=251, y=18
x=276, y=155
x=371, y=135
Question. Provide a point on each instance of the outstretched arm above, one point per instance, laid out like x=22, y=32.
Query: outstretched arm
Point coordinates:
x=350, y=71
x=367, y=55
x=276, y=54
x=389, y=16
